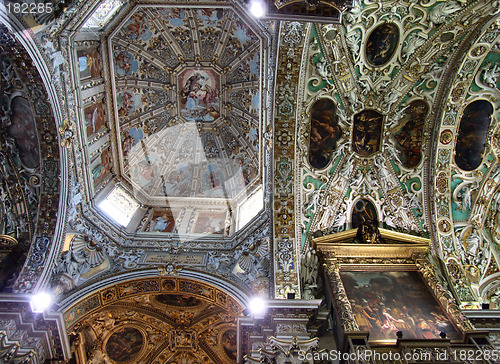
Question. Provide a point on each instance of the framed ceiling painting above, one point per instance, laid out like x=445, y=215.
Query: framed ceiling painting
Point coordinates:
x=385, y=290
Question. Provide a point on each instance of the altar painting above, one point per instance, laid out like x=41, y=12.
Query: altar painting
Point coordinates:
x=385, y=302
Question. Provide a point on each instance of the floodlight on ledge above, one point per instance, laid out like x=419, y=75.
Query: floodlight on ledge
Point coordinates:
x=257, y=306
x=257, y=8
x=40, y=302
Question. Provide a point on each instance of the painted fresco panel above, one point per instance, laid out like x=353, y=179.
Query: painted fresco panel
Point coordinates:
x=125, y=64
x=94, y=118
x=363, y=212
x=382, y=43
x=324, y=133
x=162, y=221
x=178, y=182
x=386, y=302
x=23, y=131
x=137, y=29
x=229, y=344
x=409, y=135
x=472, y=134
x=178, y=300
x=199, y=90
x=208, y=222
x=124, y=344
x=89, y=63
x=367, y=132
x=101, y=166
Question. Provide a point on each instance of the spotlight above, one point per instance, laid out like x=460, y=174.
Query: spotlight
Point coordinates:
x=399, y=334
x=40, y=302
x=257, y=8
x=257, y=306
x=442, y=334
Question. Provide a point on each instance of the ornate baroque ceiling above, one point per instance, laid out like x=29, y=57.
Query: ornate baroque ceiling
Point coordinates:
x=192, y=108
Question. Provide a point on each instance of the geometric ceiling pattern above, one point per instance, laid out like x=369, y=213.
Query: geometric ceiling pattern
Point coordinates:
x=177, y=321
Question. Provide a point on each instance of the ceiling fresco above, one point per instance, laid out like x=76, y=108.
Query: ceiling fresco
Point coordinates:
x=399, y=63
x=186, y=97
x=177, y=321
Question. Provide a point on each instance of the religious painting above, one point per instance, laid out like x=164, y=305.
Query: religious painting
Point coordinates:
x=145, y=170
x=248, y=170
x=23, y=131
x=382, y=44
x=125, y=64
x=178, y=182
x=199, y=95
x=89, y=63
x=101, y=166
x=175, y=16
x=208, y=222
x=472, y=134
x=178, y=300
x=213, y=181
x=127, y=103
x=131, y=138
x=367, y=131
x=211, y=17
x=124, y=344
x=324, y=133
x=229, y=343
x=363, y=212
x=162, y=221
x=409, y=135
x=94, y=117
x=137, y=28
x=385, y=302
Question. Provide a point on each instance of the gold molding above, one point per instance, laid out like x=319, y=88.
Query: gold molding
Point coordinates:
x=400, y=245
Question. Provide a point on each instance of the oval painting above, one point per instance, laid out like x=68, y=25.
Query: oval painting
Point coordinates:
x=409, y=133
x=124, y=344
x=23, y=131
x=382, y=43
x=324, y=133
x=472, y=134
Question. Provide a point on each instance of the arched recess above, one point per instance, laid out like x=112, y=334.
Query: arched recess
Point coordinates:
x=153, y=318
x=33, y=166
x=472, y=134
x=324, y=132
x=363, y=212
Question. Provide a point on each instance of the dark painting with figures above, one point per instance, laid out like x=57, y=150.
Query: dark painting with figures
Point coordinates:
x=324, y=134
x=363, y=212
x=124, y=344
x=229, y=344
x=23, y=130
x=409, y=134
x=472, y=134
x=366, y=132
x=384, y=303
x=382, y=44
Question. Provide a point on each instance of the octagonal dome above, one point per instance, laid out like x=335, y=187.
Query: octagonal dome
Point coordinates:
x=185, y=116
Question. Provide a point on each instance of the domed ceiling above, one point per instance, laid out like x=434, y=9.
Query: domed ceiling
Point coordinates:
x=184, y=105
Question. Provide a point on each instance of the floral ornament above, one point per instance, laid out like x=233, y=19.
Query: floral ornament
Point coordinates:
x=66, y=134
